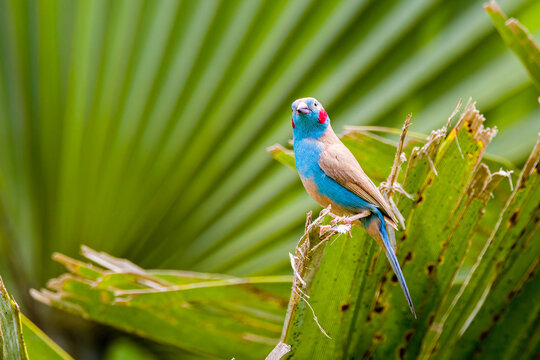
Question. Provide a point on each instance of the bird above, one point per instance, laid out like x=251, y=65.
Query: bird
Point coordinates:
x=332, y=176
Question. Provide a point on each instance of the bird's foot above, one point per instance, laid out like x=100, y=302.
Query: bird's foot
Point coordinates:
x=324, y=228
x=340, y=219
x=336, y=218
x=349, y=220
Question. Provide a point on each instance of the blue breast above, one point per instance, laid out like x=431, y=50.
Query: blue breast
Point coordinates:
x=307, y=154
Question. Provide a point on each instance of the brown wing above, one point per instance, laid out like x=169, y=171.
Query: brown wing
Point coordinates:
x=340, y=164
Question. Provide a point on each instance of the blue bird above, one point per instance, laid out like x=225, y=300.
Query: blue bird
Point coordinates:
x=332, y=176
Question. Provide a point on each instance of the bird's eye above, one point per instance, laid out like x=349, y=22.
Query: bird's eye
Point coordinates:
x=315, y=104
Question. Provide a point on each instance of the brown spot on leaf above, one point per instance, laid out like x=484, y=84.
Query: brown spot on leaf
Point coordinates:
x=403, y=237
x=484, y=335
x=496, y=317
x=401, y=353
x=408, y=335
x=419, y=200
x=394, y=279
x=105, y=297
x=367, y=355
x=408, y=257
x=430, y=269
x=372, y=265
x=431, y=319
x=344, y=307
x=378, y=338
x=379, y=308
x=478, y=350
x=514, y=218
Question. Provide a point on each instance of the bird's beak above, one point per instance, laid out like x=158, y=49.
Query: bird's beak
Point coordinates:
x=302, y=107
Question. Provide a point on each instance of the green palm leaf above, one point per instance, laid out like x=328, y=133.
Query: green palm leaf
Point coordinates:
x=208, y=314
x=138, y=127
x=20, y=338
x=345, y=301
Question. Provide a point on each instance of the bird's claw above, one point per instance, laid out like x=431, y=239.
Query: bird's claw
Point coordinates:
x=336, y=218
x=348, y=220
x=341, y=219
x=324, y=228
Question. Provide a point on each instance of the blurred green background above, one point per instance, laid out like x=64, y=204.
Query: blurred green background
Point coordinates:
x=139, y=128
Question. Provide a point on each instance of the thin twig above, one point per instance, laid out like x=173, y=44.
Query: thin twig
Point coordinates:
x=456, y=110
x=390, y=186
x=299, y=263
x=295, y=271
x=507, y=174
x=431, y=164
x=398, y=159
x=279, y=351
x=314, y=316
x=383, y=129
x=459, y=147
x=435, y=135
x=324, y=240
x=297, y=288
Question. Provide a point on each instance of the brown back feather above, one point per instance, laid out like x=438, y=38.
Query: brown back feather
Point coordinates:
x=339, y=163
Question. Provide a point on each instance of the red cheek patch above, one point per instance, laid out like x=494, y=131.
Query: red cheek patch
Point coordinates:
x=292, y=120
x=322, y=116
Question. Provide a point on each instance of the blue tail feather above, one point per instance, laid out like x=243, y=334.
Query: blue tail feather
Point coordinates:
x=391, y=255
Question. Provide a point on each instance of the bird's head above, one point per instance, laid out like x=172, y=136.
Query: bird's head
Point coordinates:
x=309, y=119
